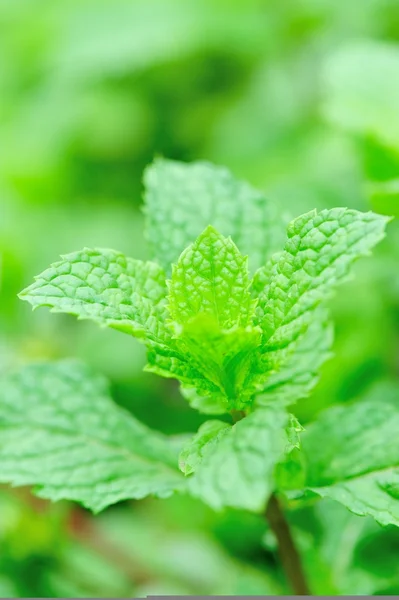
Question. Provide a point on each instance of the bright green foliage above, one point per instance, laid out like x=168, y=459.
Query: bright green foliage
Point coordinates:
x=207, y=333
x=203, y=403
x=293, y=429
x=226, y=360
x=183, y=199
x=208, y=434
x=61, y=432
x=352, y=455
x=238, y=470
x=106, y=287
x=218, y=364
x=89, y=90
x=211, y=277
x=234, y=343
x=319, y=250
x=211, y=311
x=299, y=373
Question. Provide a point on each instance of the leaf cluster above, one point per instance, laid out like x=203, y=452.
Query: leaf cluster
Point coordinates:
x=233, y=306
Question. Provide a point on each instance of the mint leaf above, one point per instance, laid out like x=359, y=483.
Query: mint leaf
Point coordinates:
x=61, y=432
x=211, y=310
x=226, y=359
x=182, y=199
x=211, y=277
x=299, y=372
x=319, y=251
x=170, y=363
x=238, y=469
x=208, y=405
x=106, y=287
x=192, y=453
x=293, y=429
x=352, y=455
x=221, y=365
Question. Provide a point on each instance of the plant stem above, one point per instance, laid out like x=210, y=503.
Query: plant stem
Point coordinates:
x=289, y=555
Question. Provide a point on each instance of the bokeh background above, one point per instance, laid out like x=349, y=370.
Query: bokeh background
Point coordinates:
x=301, y=98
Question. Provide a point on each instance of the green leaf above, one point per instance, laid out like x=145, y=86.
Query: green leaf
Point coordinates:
x=106, y=287
x=211, y=277
x=319, y=251
x=352, y=455
x=227, y=360
x=293, y=429
x=61, y=432
x=192, y=453
x=290, y=470
x=221, y=365
x=170, y=363
x=211, y=310
x=208, y=405
x=299, y=372
x=290, y=473
x=182, y=199
x=238, y=470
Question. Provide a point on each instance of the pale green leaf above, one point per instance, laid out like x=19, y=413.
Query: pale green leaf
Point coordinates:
x=293, y=429
x=319, y=251
x=182, y=199
x=211, y=277
x=291, y=473
x=106, y=287
x=352, y=455
x=208, y=405
x=61, y=432
x=192, y=453
x=238, y=470
x=299, y=372
x=172, y=364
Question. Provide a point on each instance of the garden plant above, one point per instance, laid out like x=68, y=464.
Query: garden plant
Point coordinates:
x=235, y=306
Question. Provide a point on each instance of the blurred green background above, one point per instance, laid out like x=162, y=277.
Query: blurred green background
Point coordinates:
x=301, y=98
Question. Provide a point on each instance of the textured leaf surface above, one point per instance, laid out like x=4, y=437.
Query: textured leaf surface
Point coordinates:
x=211, y=310
x=318, y=253
x=61, y=432
x=192, y=453
x=211, y=277
x=227, y=360
x=106, y=287
x=352, y=455
x=299, y=373
x=238, y=470
x=183, y=199
x=172, y=364
x=220, y=365
x=207, y=405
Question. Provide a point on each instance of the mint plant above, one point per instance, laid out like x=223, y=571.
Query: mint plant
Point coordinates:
x=234, y=307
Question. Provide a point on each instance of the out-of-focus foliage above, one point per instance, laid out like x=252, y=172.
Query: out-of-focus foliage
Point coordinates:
x=300, y=99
